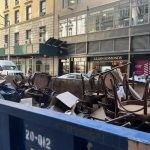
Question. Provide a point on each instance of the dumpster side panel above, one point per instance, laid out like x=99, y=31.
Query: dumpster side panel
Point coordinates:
x=30, y=128
x=4, y=132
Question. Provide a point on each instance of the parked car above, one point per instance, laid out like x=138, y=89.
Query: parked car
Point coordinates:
x=74, y=76
x=7, y=67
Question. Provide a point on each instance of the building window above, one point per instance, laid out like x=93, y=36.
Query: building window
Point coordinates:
x=28, y=12
x=17, y=39
x=16, y=2
x=17, y=16
x=42, y=8
x=6, y=20
x=94, y=22
x=28, y=36
x=107, y=19
x=121, y=16
x=79, y=65
x=6, y=41
x=72, y=26
x=139, y=12
x=67, y=3
x=6, y=4
x=63, y=28
x=42, y=34
x=81, y=24
x=47, y=68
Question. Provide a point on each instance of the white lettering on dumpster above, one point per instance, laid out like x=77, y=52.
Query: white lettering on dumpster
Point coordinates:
x=41, y=140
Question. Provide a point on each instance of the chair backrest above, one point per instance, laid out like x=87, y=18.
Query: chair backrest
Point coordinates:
x=120, y=104
x=41, y=80
x=107, y=84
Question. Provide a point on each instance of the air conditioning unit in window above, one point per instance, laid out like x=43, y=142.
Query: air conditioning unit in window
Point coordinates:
x=6, y=45
x=42, y=40
x=42, y=13
x=28, y=41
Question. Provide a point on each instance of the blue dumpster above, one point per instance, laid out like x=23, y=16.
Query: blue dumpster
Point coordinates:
x=30, y=128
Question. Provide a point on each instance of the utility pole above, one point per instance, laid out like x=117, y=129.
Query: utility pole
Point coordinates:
x=129, y=34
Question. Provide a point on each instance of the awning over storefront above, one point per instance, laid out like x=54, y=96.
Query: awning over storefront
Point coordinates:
x=53, y=47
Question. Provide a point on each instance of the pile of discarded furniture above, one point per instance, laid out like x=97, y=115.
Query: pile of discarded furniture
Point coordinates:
x=112, y=98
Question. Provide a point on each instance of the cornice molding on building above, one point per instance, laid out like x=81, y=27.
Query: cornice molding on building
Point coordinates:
x=28, y=2
x=6, y=11
x=17, y=7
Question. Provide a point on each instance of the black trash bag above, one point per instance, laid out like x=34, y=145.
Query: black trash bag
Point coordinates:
x=9, y=93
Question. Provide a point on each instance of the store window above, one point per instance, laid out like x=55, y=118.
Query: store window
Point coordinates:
x=94, y=22
x=140, y=12
x=142, y=67
x=63, y=28
x=65, y=66
x=81, y=24
x=121, y=16
x=79, y=65
x=107, y=19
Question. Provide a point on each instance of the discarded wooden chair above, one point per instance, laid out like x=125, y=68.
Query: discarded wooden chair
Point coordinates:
x=40, y=91
x=95, y=93
x=138, y=109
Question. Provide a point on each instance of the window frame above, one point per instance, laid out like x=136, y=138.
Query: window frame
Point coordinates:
x=29, y=36
x=42, y=34
x=28, y=13
x=6, y=20
x=16, y=16
x=6, y=40
x=16, y=38
x=42, y=10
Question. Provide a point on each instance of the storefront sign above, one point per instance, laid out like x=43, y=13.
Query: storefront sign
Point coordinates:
x=109, y=58
x=142, y=67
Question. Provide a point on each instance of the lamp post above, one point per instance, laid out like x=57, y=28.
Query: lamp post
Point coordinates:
x=8, y=25
x=129, y=35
